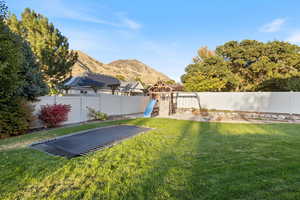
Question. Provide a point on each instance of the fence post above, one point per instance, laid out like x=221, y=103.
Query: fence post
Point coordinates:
x=80, y=116
x=120, y=105
x=85, y=109
x=99, y=99
x=291, y=103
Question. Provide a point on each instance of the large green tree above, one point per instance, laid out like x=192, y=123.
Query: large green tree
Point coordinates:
x=209, y=74
x=203, y=53
x=31, y=75
x=11, y=60
x=21, y=80
x=12, y=120
x=47, y=43
x=248, y=65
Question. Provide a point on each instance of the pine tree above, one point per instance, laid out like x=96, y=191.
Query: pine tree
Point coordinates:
x=3, y=10
x=12, y=115
x=33, y=84
x=31, y=73
x=11, y=59
x=47, y=43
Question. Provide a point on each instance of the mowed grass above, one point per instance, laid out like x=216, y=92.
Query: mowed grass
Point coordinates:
x=175, y=160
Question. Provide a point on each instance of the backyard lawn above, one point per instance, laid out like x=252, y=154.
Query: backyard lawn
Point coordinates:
x=175, y=160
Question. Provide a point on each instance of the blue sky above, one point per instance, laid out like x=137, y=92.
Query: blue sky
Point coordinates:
x=165, y=34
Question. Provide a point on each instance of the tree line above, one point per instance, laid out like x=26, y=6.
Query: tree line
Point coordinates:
x=248, y=65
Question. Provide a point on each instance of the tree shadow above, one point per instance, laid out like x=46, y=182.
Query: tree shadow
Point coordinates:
x=244, y=161
x=224, y=161
x=154, y=179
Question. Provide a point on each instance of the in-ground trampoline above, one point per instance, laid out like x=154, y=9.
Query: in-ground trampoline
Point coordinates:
x=84, y=142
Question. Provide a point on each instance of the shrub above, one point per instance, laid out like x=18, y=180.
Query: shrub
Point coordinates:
x=15, y=117
x=54, y=115
x=96, y=115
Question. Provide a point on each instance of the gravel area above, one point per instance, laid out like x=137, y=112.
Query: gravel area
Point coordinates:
x=193, y=117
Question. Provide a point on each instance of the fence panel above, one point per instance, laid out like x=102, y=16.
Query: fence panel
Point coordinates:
x=131, y=104
x=107, y=103
x=274, y=102
x=76, y=114
x=110, y=104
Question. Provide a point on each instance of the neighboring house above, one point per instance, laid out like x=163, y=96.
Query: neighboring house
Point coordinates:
x=131, y=88
x=91, y=83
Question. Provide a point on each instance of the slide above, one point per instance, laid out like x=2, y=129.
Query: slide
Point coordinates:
x=149, y=108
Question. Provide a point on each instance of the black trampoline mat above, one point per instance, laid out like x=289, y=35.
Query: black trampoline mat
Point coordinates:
x=87, y=141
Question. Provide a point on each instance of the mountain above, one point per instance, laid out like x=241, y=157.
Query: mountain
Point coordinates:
x=129, y=69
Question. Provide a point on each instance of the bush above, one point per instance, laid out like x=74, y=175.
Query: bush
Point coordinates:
x=15, y=117
x=54, y=115
x=96, y=115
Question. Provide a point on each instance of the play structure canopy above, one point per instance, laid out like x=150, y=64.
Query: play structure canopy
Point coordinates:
x=160, y=86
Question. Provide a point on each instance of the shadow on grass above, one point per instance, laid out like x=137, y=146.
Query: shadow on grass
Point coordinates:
x=207, y=161
x=245, y=161
x=151, y=183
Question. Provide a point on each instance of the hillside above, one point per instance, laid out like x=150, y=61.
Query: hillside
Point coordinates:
x=130, y=69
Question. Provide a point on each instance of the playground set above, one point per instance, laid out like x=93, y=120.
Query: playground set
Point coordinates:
x=163, y=100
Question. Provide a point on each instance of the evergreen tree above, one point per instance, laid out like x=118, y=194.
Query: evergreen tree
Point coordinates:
x=47, y=43
x=11, y=59
x=30, y=73
x=33, y=84
x=12, y=115
x=3, y=10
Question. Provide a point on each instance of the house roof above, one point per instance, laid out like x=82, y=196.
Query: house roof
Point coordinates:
x=131, y=86
x=108, y=80
x=92, y=80
x=83, y=82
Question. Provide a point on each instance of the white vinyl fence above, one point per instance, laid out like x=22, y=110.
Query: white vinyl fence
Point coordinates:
x=272, y=102
x=107, y=103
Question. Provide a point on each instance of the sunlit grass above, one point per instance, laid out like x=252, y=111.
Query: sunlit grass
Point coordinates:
x=175, y=160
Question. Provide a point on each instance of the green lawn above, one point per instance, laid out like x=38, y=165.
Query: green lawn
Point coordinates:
x=175, y=160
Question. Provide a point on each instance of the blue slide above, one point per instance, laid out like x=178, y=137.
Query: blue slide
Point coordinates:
x=149, y=108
